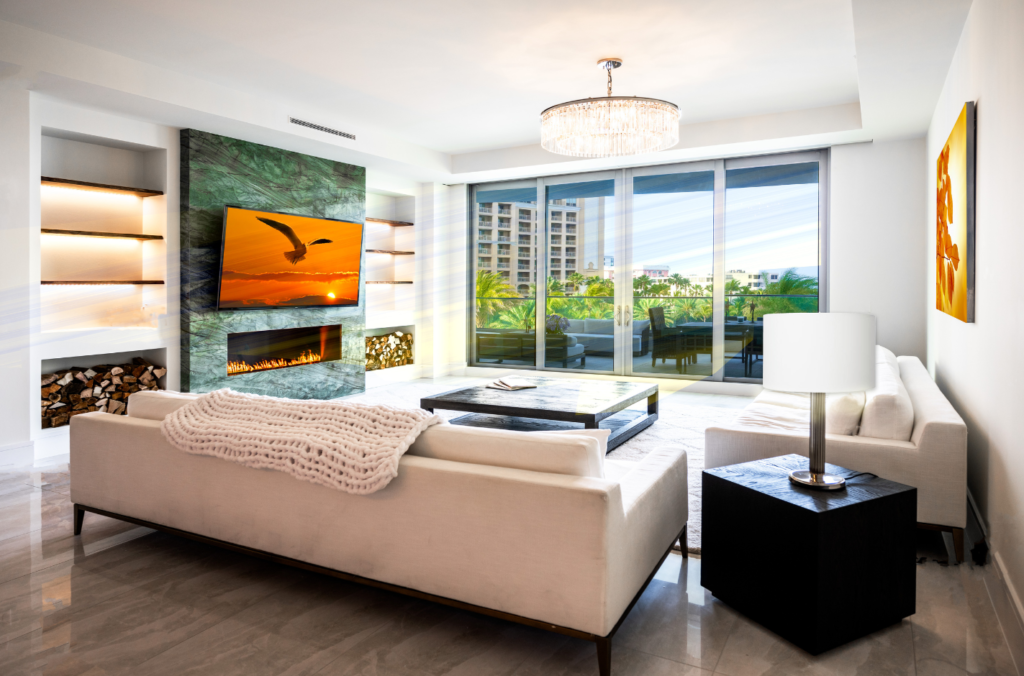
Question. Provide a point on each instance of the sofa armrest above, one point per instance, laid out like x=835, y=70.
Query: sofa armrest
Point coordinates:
x=655, y=509
x=939, y=475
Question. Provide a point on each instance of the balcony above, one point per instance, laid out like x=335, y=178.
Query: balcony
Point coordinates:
x=504, y=212
x=570, y=251
x=570, y=229
x=483, y=262
x=523, y=266
x=570, y=265
x=486, y=250
x=570, y=240
x=484, y=209
x=556, y=239
x=525, y=216
x=525, y=228
x=504, y=238
x=504, y=225
x=556, y=264
x=555, y=227
x=524, y=240
x=503, y=266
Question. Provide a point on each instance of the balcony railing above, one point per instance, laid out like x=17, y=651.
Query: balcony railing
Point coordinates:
x=524, y=266
x=570, y=229
x=556, y=265
x=555, y=227
x=502, y=266
x=483, y=250
x=502, y=238
x=525, y=216
x=484, y=210
x=504, y=212
x=504, y=225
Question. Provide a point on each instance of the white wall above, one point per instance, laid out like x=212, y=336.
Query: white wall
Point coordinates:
x=978, y=365
x=876, y=237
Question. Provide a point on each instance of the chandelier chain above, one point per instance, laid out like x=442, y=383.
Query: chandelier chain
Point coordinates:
x=609, y=82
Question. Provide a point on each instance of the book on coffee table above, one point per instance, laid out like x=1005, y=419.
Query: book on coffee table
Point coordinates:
x=510, y=384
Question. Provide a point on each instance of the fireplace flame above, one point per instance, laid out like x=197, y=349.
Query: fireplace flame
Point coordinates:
x=307, y=357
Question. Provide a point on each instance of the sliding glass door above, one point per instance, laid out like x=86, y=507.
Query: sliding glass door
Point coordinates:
x=773, y=250
x=660, y=271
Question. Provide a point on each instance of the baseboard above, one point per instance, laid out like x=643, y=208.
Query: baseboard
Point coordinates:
x=1010, y=612
x=20, y=454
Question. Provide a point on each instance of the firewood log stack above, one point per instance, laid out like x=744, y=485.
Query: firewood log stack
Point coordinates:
x=394, y=349
x=105, y=388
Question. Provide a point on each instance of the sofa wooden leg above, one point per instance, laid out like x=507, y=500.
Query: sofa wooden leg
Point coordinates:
x=958, y=544
x=80, y=517
x=604, y=656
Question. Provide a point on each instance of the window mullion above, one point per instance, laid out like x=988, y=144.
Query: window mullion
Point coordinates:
x=718, y=292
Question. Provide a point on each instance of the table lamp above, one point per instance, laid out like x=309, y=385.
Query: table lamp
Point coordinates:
x=819, y=353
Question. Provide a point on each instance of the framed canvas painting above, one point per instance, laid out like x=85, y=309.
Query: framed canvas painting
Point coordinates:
x=954, y=220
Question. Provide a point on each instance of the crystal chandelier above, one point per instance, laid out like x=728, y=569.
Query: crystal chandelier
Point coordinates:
x=609, y=125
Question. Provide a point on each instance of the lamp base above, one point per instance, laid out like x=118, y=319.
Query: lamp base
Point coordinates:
x=824, y=482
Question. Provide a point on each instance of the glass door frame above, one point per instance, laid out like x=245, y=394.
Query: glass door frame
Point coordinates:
x=798, y=157
x=617, y=175
x=623, y=232
x=624, y=347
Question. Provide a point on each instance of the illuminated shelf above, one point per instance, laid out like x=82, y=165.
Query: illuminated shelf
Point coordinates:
x=394, y=224
x=393, y=253
x=99, y=187
x=124, y=282
x=389, y=282
x=94, y=233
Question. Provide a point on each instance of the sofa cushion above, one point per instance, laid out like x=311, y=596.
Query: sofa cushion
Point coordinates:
x=888, y=411
x=640, y=326
x=574, y=455
x=842, y=409
x=599, y=326
x=151, y=405
x=575, y=326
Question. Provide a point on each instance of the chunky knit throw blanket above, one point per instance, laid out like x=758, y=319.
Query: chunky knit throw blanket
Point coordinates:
x=351, y=447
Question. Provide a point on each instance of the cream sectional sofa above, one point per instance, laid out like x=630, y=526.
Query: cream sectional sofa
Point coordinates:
x=926, y=444
x=533, y=527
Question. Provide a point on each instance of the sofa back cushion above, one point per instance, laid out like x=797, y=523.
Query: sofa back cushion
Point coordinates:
x=888, y=411
x=640, y=325
x=599, y=326
x=570, y=454
x=151, y=405
x=575, y=326
x=842, y=409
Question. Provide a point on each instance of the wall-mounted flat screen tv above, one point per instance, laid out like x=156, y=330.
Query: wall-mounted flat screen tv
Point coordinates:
x=271, y=260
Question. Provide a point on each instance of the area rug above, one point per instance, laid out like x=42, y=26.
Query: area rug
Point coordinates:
x=680, y=424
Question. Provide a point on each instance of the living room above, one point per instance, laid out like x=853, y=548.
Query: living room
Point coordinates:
x=515, y=346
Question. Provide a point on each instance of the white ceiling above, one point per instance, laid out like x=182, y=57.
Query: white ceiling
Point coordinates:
x=460, y=75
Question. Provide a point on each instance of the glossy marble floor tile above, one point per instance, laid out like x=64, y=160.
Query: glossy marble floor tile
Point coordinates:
x=121, y=599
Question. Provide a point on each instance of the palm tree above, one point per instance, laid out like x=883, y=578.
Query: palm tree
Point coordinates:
x=521, y=315
x=642, y=285
x=577, y=280
x=658, y=289
x=491, y=287
x=677, y=281
x=790, y=284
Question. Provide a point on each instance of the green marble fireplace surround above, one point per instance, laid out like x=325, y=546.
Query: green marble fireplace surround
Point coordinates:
x=216, y=171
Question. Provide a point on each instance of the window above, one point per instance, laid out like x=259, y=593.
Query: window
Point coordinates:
x=663, y=271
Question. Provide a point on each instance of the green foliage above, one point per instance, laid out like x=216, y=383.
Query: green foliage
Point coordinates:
x=491, y=287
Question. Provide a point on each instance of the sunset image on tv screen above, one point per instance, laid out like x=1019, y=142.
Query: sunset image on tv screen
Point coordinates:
x=279, y=260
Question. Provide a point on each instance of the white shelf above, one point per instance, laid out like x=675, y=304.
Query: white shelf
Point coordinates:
x=385, y=320
x=80, y=342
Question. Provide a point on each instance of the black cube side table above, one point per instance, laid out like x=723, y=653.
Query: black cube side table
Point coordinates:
x=819, y=568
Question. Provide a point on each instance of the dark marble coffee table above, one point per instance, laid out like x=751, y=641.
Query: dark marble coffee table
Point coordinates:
x=555, y=404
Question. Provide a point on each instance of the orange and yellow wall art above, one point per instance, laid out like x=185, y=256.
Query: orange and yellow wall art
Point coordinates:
x=954, y=221
x=280, y=260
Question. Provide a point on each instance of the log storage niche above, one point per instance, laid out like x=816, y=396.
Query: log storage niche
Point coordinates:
x=105, y=388
x=389, y=350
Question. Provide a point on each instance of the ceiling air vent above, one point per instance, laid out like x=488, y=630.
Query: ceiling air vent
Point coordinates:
x=322, y=128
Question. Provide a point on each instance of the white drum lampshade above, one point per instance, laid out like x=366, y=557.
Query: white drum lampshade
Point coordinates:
x=819, y=353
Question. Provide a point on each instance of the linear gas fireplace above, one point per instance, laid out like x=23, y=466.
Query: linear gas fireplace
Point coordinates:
x=282, y=348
